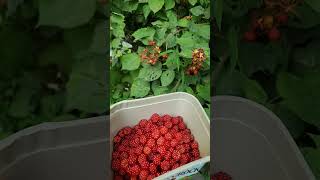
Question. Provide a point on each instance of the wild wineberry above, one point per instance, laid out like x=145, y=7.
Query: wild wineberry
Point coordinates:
x=274, y=34
x=153, y=168
x=165, y=165
x=176, y=155
x=250, y=36
x=143, y=174
x=146, y=150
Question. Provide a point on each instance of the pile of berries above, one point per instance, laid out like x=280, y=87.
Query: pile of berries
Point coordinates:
x=198, y=57
x=221, y=176
x=266, y=26
x=152, y=148
x=151, y=54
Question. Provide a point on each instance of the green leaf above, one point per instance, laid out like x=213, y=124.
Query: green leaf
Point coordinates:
x=87, y=87
x=315, y=4
x=301, y=95
x=233, y=42
x=167, y=77
x=130, y=61
x=57, y=54
x=306, y=17
x=140, y=88
x=173, y=61
x=218, y=12
x=157, y=89
x=65, y=14
x=156, y=5
x=169, y=4
x=308, y=55
x=193, y=2
x=255, y=92
x=202, y=30
x=197, y=11
x=204, y=91
x=316, y=139
x=147, y=32
x=172, y=19
x=146, y=10
x=183, y=22
x=150, y=73
x=186, y=41
x=52, y=105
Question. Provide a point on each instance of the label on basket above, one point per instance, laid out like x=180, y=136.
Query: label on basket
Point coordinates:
x=187, y=172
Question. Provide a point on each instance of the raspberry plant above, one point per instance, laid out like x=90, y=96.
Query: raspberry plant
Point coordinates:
x=160, y=47
x=268, y=51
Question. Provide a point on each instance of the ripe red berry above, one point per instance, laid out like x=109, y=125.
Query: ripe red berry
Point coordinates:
x=143, y=139
x=282, y=18
x=116, y=139
x=167, y=155
x=178, y=136
x=153, y=168
x=161, y=150
x=181, y=148
x=134, y=170
x=115, y=164
x=155, y=118
x=274, y=34
x=175, y=120
x=168, y=136
x=118, y=178
x=144, y=165
x=182, y=126
x=124, y=164
x=143, y=122
x=151, y=143
x=124, y=155
x=176, y=155
x=132, y=159
x=196, y=153
x=115, y=155
x=184, y=159
x=151, y=176
x=250, y=36
x=155, y=134
x=163, y=130
x=168, y=124
x=157, y=160
x=138, y=150
x=166, y=117
x=194, y=145
x=160, y=141
x=174, y=142
x=146, y=150
x=175, y=166
x=139, y=131
x=143, y=174
x=221, y=176
x=165, y=165
x=142, y=158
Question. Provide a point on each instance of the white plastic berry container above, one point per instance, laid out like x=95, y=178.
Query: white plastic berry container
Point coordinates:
x=130, y=112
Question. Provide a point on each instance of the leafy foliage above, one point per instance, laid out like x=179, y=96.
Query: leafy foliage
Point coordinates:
x=177, y=28
x=281, y=74
x=53, y=65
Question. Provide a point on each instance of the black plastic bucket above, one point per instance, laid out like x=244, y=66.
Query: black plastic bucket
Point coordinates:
x=250, y=143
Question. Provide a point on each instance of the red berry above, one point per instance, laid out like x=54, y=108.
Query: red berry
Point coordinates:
x=143, y=174
x=127, y=130
x=250, y=36
x=196, y=153
x=115, y=155
x=160, y=141
x=124, y=163
x=116, y=139
x=168, y=136
x=155, y=118
x=142, y=158
x=144, y=165
x=176, y=155
x=174, y=143
x=151, y=176
x=181, y=148
x=155, y=134
x=178, y=136
x=182, y=126
x=161, y=150
x=138, y=150
x=168, y=124
x=118, y=178
x=151, y=143
x=175, y=166
x=163, y=130
x=115, y=164
x=221, y=176
x=157, y=160
x=135, y=142
x=184, y=159
x=132, y=159
x=165, y=165
x=274, y=34
x=143, y=122
x=134, y=170
x=124, y=155
x=282, y=18
x=143, y=139
x=167, y=155
x=194, y=145
x=147, y=150
x=166, y=117
x=175, y=120
x=139, y=132
x=153, y=168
